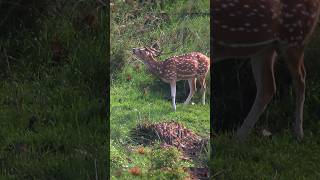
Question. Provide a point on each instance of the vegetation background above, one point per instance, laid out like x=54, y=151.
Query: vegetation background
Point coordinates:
x=178, y=27
x=53, y=73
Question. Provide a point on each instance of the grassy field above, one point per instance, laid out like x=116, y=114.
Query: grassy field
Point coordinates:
x=279, y=157
x=52, y=99
x=138, y=97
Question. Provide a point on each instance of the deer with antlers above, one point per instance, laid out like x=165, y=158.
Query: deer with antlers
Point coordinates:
x=260, y=30
x=189, y=67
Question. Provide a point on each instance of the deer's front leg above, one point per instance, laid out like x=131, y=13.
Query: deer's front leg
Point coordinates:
x=173, y=94
x=295, y=63
x=262, y=68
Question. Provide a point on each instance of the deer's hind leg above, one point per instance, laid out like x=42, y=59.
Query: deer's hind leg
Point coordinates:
x=202, y=80
x=173, y=94
x=295, y=62
x=192, y=87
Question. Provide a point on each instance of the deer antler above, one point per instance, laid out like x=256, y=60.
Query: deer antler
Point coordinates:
x=174, y=50
x=157, y=52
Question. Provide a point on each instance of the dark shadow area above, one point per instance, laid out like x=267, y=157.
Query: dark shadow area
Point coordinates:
x=233, y=93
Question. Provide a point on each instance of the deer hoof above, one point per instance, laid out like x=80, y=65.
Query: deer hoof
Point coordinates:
x=298, y=132
x=174, y=108
x=241, y=136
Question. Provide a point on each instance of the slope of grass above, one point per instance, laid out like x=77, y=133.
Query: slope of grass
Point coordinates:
x=138, y=97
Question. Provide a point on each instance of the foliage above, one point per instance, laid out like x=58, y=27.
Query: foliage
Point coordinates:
x=167, y=158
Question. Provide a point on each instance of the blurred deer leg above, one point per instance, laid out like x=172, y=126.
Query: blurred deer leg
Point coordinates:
x=173, y=94
x=294, y=59
x=262, y=68
x=202, y=81
x=192, y=83
x=195, y=85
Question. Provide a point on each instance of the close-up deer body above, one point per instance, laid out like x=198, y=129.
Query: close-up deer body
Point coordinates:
x=189, y=67
x=260, y=30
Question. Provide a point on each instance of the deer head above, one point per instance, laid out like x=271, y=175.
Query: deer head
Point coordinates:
x=143, y=54
x=146, y=53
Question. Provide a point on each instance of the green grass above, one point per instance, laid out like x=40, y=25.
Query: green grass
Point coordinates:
x=53, y=116
x=144, y=98
x=280, y=157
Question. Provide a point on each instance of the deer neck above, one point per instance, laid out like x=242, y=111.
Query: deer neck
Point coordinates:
x=154, y=66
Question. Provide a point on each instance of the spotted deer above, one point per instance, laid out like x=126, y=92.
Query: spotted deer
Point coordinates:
x=260, y=30
x=184, y=67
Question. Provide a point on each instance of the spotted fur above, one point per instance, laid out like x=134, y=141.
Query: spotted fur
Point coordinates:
x=247, y=26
